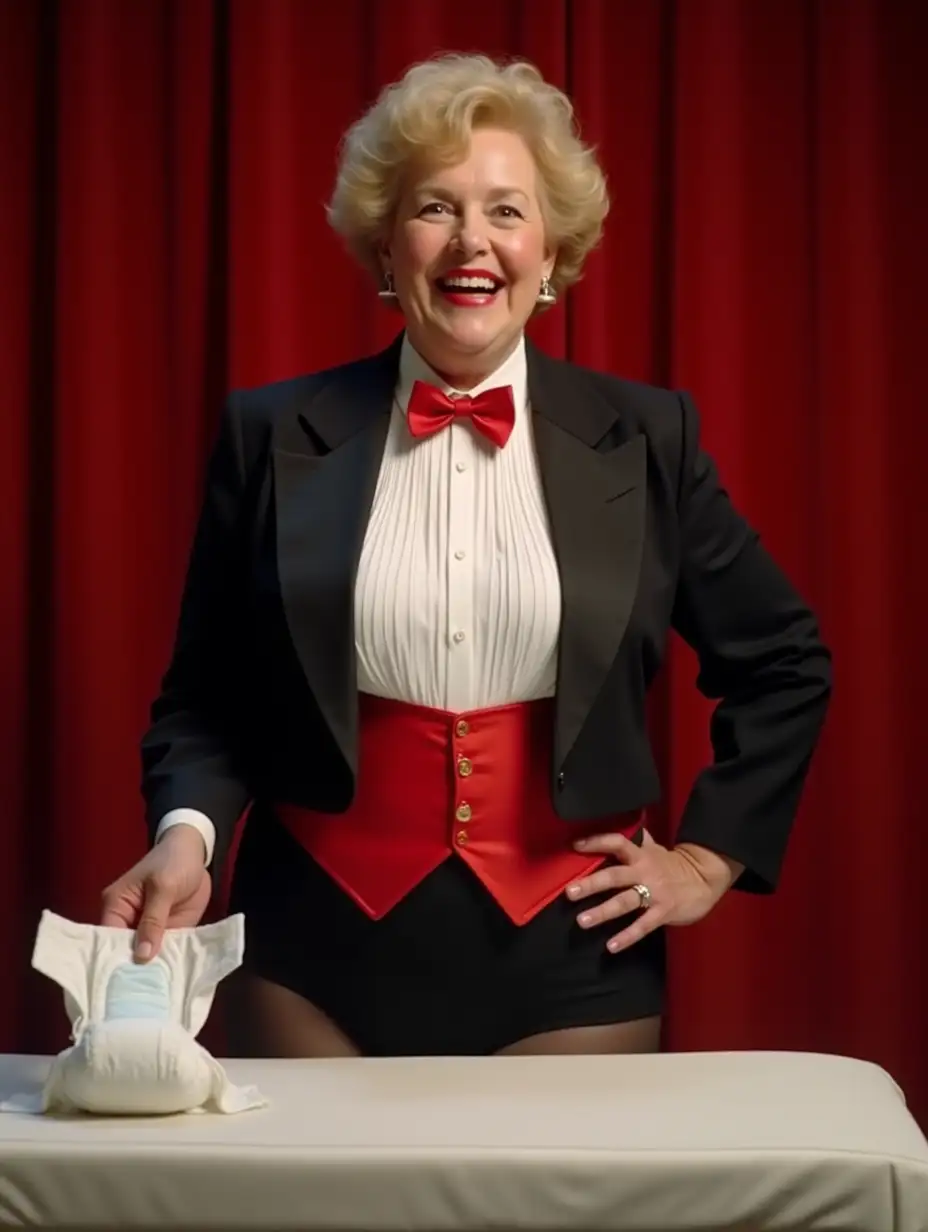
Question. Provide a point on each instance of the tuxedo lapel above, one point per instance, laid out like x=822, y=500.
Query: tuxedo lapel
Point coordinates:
x=594, y=480
x=327, y=458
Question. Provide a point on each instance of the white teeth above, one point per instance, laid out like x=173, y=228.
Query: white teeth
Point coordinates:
x=471, y=284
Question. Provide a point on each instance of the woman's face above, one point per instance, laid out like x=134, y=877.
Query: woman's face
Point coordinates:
x=468, y=254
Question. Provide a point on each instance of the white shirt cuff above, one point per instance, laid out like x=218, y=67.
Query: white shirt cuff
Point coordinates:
x=190, y=817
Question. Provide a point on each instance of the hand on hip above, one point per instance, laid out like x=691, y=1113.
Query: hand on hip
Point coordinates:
x=668, y=885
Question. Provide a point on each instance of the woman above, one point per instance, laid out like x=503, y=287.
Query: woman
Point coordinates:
x=427, y=597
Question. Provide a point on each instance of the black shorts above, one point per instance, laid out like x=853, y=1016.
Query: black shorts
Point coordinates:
x=445, y=972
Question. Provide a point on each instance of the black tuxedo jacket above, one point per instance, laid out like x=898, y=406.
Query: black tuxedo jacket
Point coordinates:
x=259, y=703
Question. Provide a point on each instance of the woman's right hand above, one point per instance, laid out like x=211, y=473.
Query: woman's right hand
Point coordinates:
x=169, y=888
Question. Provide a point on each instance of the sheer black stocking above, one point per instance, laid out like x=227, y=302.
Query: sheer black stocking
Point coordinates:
x=641, y=1035
x=264, y=1019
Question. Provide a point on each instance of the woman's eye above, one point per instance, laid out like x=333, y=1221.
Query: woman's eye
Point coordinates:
x=434, y=207
x=509, y=211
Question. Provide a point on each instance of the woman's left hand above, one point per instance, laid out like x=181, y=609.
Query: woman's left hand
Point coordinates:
x=685, y=883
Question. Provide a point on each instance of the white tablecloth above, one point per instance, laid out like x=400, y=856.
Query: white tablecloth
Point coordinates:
x=674, y=1143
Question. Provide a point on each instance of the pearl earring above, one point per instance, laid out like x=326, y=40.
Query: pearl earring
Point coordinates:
x=387, y=293
x=546, y=294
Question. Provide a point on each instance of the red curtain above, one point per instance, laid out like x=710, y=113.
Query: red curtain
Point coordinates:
x=164, y=165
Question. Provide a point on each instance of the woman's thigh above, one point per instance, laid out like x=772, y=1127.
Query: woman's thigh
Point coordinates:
x=642, y=1035
x=265, y=1019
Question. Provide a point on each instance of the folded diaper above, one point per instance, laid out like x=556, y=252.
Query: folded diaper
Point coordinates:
x=134, y=1026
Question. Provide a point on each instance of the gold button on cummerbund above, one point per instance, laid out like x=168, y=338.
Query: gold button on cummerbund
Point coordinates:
x=461, y=728
x=463, y=812
x=465, y=767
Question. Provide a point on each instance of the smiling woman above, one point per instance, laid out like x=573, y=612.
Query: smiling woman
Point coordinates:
x=469, y=170
x=437, y=715
x=468, y=255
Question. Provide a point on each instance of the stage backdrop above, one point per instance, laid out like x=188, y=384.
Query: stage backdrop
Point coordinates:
x=164, y=165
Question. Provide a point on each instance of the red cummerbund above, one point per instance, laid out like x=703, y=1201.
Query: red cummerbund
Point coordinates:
x=432, y=784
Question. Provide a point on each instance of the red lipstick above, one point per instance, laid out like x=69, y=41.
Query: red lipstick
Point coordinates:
x=462, y=287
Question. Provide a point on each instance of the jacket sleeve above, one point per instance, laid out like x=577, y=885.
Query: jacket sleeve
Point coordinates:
x=761, y=657
x=188, y=758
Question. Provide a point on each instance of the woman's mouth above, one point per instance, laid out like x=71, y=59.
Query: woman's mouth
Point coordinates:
x=474, y=290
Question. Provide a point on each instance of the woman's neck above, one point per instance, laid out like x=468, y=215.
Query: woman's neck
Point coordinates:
x=465, y=373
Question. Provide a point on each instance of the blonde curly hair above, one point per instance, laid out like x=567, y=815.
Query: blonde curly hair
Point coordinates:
x=427, y=117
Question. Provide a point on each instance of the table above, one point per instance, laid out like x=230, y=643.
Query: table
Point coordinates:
x=674, y=1143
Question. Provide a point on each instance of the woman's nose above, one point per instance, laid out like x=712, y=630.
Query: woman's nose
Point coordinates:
x=471, y=238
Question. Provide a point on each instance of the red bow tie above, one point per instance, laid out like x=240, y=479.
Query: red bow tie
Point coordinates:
x=493, y=412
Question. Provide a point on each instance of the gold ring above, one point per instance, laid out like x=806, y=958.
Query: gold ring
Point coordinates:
x=644, y=895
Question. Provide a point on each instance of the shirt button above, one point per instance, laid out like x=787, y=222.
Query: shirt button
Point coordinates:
x=465, y=767
x=461, y=837
x=461, y=728
x=460, y=554
x=460, y=467
x=463, y=812
x=459, y=636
